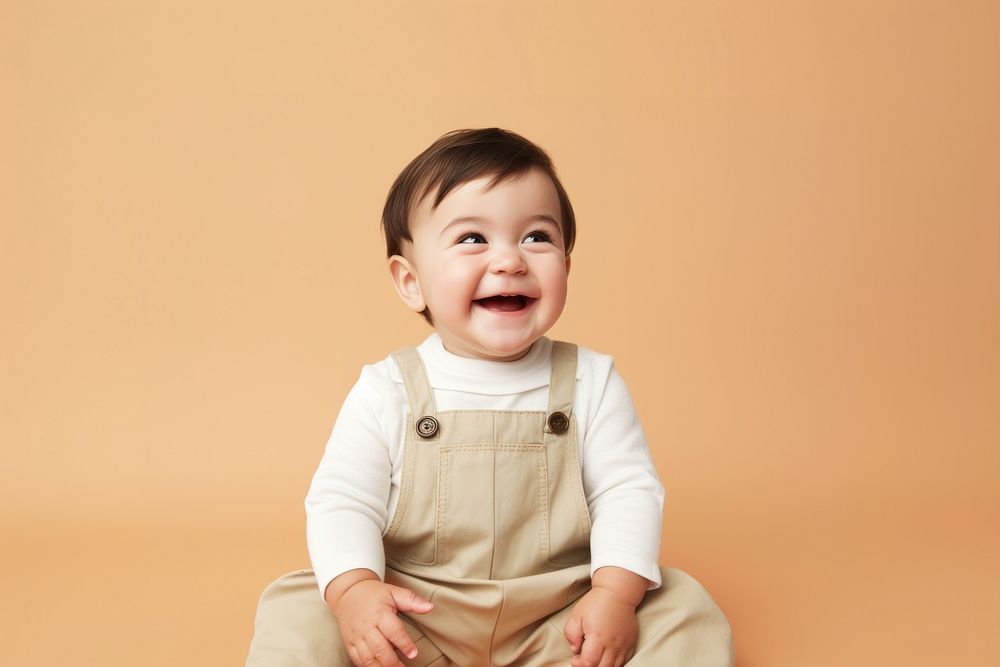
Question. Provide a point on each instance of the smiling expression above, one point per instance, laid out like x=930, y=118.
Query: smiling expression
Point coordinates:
x=490, y=265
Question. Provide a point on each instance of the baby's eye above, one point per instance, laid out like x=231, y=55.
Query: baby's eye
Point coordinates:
x=538, y=234
x=472, y=238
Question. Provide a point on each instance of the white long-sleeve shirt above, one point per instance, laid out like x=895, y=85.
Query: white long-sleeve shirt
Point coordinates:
x=354, y=491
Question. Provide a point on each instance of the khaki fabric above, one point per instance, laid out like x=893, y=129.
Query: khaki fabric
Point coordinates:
x=492, y=527
x=679, y=626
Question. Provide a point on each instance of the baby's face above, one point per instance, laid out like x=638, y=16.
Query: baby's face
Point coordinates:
x=490, y=265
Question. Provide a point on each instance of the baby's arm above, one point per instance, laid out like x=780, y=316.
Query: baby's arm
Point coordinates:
x=366, y=609
x=602, y=627
x=346, y=513
x=624, y=493
x=625, y=500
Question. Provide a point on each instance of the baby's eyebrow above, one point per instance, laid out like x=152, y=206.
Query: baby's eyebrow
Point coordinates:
x=543, y=217
x=540, y=217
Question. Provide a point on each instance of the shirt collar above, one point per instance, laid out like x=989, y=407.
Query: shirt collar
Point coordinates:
x=446, y=370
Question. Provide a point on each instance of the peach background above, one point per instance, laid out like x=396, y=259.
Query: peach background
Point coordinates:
x=789, y=240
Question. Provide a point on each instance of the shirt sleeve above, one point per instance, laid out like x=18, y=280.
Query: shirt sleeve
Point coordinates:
x=346, y=503
x=624, y=493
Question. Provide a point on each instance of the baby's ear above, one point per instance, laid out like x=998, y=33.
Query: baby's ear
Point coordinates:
x=567, y=265
x=404, y=280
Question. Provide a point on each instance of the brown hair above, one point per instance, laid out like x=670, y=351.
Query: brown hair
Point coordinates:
x=458, y=157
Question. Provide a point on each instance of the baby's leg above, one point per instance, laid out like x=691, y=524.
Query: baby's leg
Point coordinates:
x=295, y=628
x=682, y=626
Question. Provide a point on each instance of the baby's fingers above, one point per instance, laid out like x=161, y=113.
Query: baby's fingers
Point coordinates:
x=574, y=633
x=360, y=655
x=352, y=651
x=381, y=652
x=613, y=658
x=407, y=600
x=396, y=633
x=591, y=655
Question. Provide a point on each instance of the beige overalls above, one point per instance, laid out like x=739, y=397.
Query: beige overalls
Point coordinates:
x=492, y=527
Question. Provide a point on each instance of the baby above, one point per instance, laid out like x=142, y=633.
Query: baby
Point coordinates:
x=487, y=497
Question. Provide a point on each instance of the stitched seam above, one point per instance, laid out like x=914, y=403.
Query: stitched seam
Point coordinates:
x=407, y=481
x=439, y=530
x=493, y=551
x=576, y=474
x=487, y=446
x=484, y=445
x=543, y=505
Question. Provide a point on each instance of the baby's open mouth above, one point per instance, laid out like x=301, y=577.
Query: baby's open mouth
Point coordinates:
x=505, y=303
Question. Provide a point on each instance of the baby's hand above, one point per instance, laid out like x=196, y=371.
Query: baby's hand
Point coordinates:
x=602, y=630
x=369, y=627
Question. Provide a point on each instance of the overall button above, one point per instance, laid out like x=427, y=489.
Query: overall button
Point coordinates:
x=558, y=422
x=427, y=427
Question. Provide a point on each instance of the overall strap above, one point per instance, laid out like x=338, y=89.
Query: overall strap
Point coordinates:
x=561, y=386
x=418, y=391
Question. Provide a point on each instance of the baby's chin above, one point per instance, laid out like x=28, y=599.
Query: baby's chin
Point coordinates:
x=509, y=347
x=498, y=348
x=506, y=355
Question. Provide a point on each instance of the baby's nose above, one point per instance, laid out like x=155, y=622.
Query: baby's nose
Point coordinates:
x=508, y=260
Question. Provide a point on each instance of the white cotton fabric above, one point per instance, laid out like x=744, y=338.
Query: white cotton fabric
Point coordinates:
x=354, y=491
